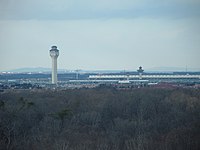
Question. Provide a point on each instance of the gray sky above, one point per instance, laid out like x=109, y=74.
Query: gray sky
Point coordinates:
x=100, y=34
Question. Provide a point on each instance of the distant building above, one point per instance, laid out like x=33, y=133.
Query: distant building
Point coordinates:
x=145, y=77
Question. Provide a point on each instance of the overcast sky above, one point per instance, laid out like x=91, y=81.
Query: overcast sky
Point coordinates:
x=100, y=34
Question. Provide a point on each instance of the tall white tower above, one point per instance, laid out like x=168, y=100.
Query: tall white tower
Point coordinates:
x=54, y=53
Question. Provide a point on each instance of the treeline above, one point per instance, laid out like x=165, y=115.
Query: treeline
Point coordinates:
x=100, y=119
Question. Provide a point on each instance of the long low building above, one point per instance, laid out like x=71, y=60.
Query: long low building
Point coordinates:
x=107, y=81
x=134, y=77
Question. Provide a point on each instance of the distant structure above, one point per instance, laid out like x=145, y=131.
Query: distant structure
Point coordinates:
x=77, y=73
x=140, y=76
x=54, y=53
x=140, y=71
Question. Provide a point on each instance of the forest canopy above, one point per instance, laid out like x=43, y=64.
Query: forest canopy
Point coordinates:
x=100, y=119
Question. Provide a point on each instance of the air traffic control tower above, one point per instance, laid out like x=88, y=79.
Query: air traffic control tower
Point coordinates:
x=140, y=71
x=54, y=53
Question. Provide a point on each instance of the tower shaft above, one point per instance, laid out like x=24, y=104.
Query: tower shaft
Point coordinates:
x=54, y=70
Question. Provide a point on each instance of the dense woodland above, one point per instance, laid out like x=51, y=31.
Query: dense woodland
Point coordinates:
x=100, y=119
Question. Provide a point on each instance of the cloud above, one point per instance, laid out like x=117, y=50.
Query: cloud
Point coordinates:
x=100, y=44
x=94, y=9
x=101, y=34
